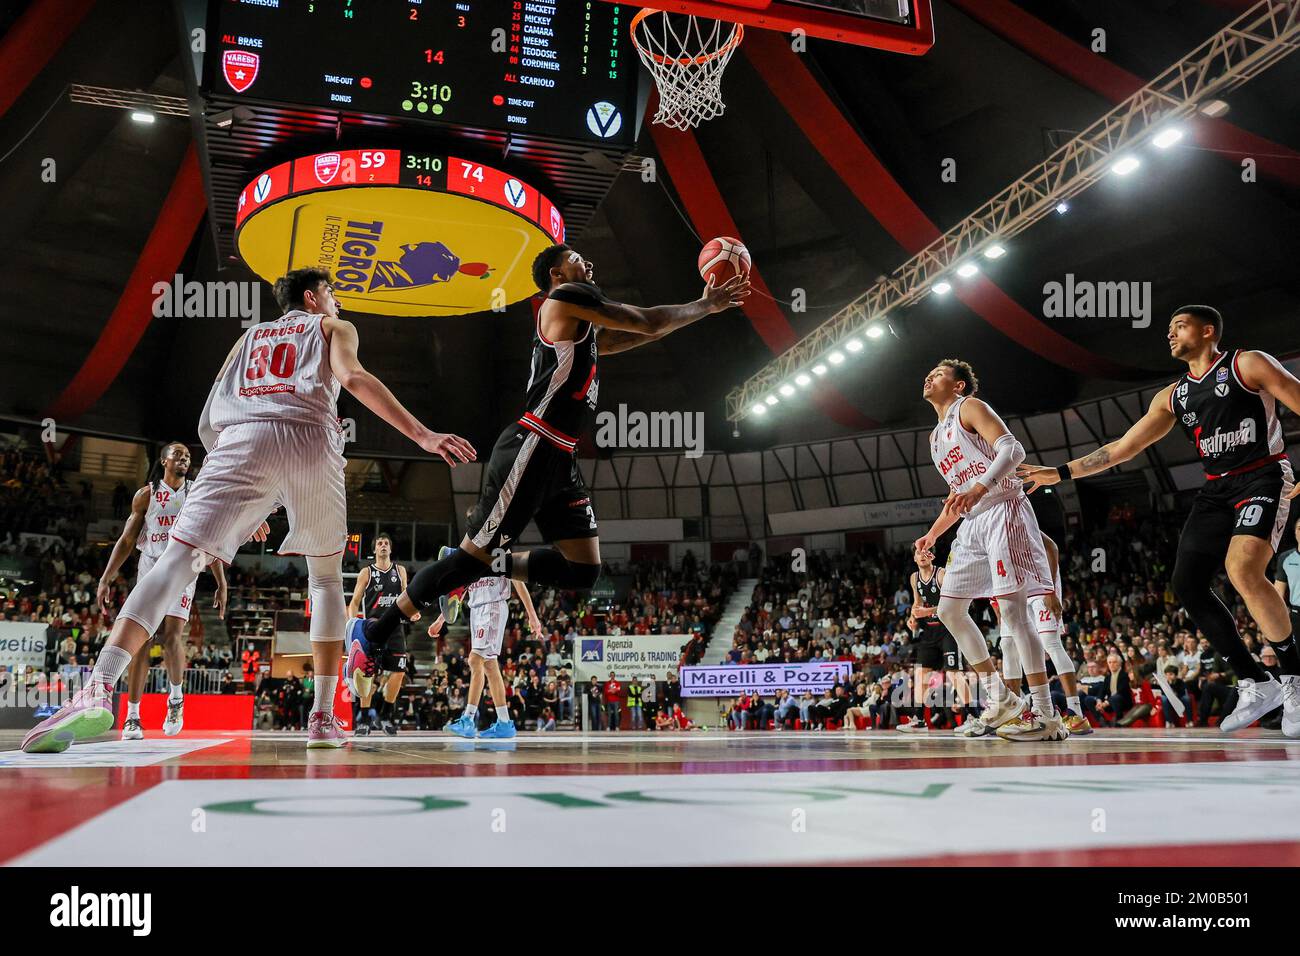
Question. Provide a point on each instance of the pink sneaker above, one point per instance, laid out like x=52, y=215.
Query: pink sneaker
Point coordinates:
x=88, y=714
x=324, y=730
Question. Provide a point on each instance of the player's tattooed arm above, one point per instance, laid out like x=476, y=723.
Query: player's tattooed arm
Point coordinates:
x=579, y=305
x=125, y=542
x=1146, y=431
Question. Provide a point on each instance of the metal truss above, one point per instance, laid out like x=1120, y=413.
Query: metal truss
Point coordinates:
x=1259, y=38
x=128, y=99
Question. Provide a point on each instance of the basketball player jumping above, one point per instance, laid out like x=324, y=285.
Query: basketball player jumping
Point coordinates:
x=1227, y=404
x=271, y=429
x=936, y=647
x=489, y=610
x=998, y=552
x=377, y=587
x=154, y=510
x=1045, y=614
x=532, y=472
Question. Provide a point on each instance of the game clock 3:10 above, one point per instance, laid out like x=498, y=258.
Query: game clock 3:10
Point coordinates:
x=427, y=97
x=424, y=170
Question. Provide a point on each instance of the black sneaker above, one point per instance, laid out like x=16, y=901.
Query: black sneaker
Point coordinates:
x=390, y=728
x=362, y=729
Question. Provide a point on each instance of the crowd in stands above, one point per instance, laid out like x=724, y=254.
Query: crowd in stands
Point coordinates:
x=1121, y=624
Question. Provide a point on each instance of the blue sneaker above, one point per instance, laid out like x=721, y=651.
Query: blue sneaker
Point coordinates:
x=359, y=672
x=501, y=729
x=463, y=726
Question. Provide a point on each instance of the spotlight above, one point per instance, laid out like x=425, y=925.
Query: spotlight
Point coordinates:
x=941, y=287
x=819, y=369
x=771, y=399
x=967, y=269
x=759, y=409
x=142, y=116
x=1168, y=137
x=1062, y=208
x=853, y=345
x=802, y=380
x=876, y=331
x=995, y=251
x=787, y=390
x=1122, y=167
x=836, y=357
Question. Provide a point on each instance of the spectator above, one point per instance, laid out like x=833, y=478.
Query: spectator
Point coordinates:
x=634, y=704
x=547, y=719
x=649, y=701
x=613, y=702
x=595, y=710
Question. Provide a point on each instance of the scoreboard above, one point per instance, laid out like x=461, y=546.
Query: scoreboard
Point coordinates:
x=550, y=68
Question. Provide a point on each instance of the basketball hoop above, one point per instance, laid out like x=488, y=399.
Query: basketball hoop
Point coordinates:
x=687, y=57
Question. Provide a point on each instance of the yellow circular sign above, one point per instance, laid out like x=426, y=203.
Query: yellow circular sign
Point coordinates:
x=441, y=243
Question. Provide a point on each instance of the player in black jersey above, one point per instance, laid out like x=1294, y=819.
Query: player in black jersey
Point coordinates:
x=936, y=648
x=532, y=473
x=1227, y=404
x=377, y=587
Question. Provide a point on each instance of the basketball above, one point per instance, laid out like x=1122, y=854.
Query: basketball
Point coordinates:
x=723, y=258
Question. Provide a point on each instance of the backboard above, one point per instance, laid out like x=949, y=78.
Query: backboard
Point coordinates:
x=900, y=26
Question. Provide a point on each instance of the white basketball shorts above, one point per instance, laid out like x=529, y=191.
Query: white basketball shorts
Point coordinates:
x=254, y=467
x=487, y=629
x=998, y=551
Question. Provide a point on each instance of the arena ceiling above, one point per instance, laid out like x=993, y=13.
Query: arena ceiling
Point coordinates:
x=1003, y=84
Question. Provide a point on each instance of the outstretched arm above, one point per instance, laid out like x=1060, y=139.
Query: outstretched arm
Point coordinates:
x=1146, y=431
x=577, y=303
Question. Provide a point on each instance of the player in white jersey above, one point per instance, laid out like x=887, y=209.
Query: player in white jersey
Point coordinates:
x=998, y=552
x=271, y=430
x=1045, y=615
x=154, y=511
x=489, y=610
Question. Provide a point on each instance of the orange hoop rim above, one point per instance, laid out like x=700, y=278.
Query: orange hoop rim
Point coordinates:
x=737, y=34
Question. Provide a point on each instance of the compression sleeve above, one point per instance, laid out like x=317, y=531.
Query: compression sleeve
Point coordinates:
x=1007, y=454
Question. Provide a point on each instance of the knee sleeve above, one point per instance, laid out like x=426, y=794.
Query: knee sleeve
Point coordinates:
x=1061, y=659
x=167, y=580
x=1011, y=669
x=1015, y=620
x=547, y=566
x=329, y=616
x=954, y=614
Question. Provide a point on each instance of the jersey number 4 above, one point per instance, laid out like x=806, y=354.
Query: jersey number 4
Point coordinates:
x=1002, y=571
x=280, y=361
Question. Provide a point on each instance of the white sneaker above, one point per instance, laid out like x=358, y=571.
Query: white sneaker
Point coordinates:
x=1031, y=725
x=913, y=726
x=994, y=716
x=131, y=729
x=1254, y=700
x=175, y=719
x=1291, y=705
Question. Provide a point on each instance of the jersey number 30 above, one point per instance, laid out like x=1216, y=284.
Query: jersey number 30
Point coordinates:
x=280, y=361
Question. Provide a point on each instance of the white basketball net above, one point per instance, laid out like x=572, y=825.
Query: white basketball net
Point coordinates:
x=687, y=56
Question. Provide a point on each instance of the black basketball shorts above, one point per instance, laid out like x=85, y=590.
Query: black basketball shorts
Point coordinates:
x=527, y=479
x=1253, y=503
